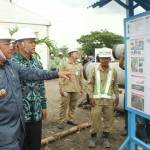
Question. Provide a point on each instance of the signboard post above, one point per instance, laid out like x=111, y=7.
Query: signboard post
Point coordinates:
x=137, y=45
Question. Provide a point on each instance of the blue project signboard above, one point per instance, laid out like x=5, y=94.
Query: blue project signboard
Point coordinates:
x=137, y=43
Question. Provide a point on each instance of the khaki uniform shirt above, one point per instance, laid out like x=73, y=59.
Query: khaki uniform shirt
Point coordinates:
x=75, y=83
x=103, y=73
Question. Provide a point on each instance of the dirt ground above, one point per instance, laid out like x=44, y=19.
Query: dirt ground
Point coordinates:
x=78, y=140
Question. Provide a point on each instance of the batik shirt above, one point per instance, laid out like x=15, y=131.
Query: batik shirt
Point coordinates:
x=33, y=91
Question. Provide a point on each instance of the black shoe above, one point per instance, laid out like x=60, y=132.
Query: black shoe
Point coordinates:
x=100, y=138
x=107, y=143
x=92, y=142
x=124, y=133
x=61, y=126
x=71, y=122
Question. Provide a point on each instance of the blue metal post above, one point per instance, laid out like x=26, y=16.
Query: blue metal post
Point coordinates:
x=129, y=142
x=130, y=10
x=124, y=144
x=131, y=129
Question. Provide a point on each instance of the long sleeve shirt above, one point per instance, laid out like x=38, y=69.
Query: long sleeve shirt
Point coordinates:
x=11, y=107
x=75, y=84
x=33, y=92
x=113, y=89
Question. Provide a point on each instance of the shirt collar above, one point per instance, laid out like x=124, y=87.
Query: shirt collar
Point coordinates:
x=71, y=62
x=101, y=69
x=20, y=57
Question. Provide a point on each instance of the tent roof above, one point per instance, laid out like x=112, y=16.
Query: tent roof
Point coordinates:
x=13, y=13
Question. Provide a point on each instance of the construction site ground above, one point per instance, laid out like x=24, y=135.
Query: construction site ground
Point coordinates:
x=77, y=140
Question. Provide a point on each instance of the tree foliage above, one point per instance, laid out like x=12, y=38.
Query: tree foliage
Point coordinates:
x=49, y=43
x=98, y=39
x=13, y=30
x=64, y=49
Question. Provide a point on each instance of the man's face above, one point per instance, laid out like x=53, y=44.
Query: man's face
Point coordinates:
x=7, y=48
x=75, y=55
x=28, y=45
x=104, y=61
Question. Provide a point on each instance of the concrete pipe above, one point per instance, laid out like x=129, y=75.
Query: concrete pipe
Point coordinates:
x=118, y=51
x=120, y=106
x=120, y=73
x=87, y=68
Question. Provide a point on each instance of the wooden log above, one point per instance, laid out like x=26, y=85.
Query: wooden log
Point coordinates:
x=59, y=135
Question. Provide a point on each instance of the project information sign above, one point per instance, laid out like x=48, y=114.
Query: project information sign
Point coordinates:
x=137, y=34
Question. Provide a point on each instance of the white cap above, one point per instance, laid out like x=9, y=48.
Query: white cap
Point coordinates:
x=105, y=52
x=4, y=34
x=72, y=50
x=24, y=33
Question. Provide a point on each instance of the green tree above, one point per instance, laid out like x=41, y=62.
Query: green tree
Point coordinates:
x=13, y=30
x=98, y=39
x=49, y=43
x=64, y=49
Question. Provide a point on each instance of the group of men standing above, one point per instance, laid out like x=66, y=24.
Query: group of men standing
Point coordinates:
x=103, y=84
x=22, y=100
x=23, y=106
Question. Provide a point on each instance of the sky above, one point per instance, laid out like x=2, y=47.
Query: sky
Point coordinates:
x=70, y=19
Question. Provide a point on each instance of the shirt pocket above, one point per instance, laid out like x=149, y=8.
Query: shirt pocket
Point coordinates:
x=77, y=72
x=66, y=82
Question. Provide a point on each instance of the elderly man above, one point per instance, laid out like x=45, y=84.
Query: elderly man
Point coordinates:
x=11, y=109
x=33, y=92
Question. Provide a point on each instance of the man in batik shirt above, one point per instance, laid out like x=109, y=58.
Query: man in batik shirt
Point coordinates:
x=34, y=100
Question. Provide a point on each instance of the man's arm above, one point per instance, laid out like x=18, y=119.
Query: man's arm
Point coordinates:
x=91, y=82
x=37, y=74
x=28, y=73
x=115, y=88
x=61, y=81
x=83, y=82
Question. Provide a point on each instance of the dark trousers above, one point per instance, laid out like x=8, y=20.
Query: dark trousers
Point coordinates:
x=147, y=131
x=126, y=116
x=126, y=120
x=140, y=128
x=143, y=129
x=33, y=136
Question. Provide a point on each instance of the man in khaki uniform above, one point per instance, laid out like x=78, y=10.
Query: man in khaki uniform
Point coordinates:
x=103, y=82
x=70, y=90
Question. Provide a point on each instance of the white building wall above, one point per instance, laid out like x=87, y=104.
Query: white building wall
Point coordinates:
x=41, y=49
x=12, y=15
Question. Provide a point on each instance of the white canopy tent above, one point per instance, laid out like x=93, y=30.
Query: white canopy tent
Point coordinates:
x=13, y=15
